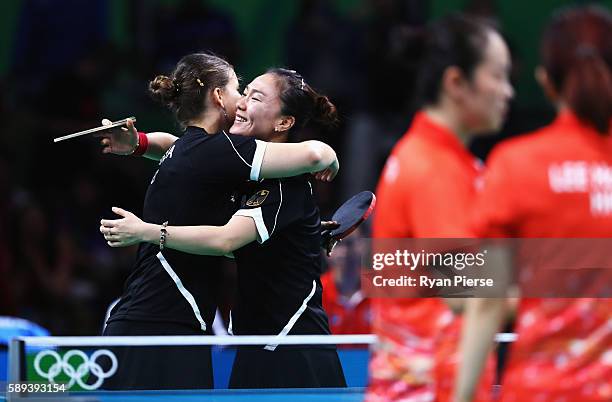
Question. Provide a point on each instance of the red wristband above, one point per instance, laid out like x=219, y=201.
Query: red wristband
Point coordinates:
x=143, y=144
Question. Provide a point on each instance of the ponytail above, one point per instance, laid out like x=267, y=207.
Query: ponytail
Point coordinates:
x=576, y=52
x=588, y=89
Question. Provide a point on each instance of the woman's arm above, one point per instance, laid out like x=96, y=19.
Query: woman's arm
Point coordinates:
x=293, y=159
x=483, y=317
x=202, y=240
x=279, y=159
x=124, y=141
x=159, y=143
x=482, y=320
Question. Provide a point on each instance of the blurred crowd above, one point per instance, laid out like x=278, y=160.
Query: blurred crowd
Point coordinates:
x=66, y=72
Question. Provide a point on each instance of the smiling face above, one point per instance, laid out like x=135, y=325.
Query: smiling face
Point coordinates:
x=258, y=112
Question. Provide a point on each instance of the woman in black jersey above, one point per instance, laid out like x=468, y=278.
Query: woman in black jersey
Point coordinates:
x=275, y=238
x=170, y=292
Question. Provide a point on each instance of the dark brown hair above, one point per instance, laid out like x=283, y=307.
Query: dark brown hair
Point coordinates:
x=576, y=52
x=300, y=100
x=455, y=40
x=185, y=90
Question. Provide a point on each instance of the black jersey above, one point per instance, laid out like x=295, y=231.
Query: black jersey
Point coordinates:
x=193, y=186
x=279, y=287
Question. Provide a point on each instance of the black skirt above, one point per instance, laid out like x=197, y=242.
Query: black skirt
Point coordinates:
x=289, y=367
x=158, y=367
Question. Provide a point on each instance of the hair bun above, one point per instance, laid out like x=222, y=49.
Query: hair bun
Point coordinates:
x=163, y=89
x=325, y=112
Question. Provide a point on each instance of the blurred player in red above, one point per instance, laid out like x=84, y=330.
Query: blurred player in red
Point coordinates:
x=550, y=183
x=347, y=308
x=426, y=190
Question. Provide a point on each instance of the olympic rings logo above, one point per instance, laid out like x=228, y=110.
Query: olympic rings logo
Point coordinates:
x=88, y=365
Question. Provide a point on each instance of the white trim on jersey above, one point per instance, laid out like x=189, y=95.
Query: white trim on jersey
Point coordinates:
x=256, y=214
x=109, y=309
x=237, y=153
x=271, y=347
x=258, y=159
x=186, y=294
x=280, y=204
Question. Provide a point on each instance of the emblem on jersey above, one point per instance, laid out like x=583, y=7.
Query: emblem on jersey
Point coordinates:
x=258, y=198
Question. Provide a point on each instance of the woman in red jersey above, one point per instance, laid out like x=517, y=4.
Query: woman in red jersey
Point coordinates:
x=426, y=190
x=564, y=346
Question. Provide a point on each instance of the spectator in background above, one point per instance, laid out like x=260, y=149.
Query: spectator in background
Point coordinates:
x=348, y=310
x=44, y=271
x=190, y=26
x=53, y=35
x=326, y=47
x=7, y=298
x=384, y=109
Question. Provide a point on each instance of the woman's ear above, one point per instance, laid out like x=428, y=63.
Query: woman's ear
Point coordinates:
x=542, y=77
x=453, y=83
x=284, y=124
x=217, y=98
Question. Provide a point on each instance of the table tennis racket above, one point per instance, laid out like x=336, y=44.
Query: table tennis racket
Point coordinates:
x=349, y=216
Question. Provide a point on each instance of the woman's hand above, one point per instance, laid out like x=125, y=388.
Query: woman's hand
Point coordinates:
x=120, y=140
x=329, y=173
x=327, y=241
x=128, y=230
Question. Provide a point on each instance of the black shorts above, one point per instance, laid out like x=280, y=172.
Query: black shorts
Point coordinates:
x=290, y=367
x=158, y=367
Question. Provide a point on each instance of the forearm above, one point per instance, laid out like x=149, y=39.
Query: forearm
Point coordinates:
x=200, y=240
x=482, y=320
x=159, y=143
x=286, y=160
x=204, y=240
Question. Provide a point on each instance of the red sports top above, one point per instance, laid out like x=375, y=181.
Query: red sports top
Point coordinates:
x=555, y=182
x=352, y=316
x=426, y=190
